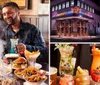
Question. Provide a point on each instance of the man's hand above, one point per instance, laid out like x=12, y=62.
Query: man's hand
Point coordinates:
x=21, y=48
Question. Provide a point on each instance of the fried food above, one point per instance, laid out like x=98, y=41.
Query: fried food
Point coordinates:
x=33, y=74
x=19, y=63
x=30, y=74
x=29, y=54
x=19, y=73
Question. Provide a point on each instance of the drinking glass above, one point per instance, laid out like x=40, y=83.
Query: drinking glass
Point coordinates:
x=32, y=59
x=53, y=75
x=5, y=70
x=82, y=79
x=14, y=42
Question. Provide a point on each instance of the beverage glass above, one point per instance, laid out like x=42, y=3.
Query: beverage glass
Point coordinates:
x=32, y=62
x=82, y=79
x=53, y=75
x=95, y=66
x=14, y=42
x=32, y=59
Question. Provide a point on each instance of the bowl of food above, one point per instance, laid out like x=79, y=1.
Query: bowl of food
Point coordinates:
x=34, y=76
x=19, y=63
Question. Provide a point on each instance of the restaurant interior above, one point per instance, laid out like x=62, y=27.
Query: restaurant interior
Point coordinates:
x=35, y=12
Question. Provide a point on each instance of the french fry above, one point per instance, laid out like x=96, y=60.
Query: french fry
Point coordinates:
x=80, y=70
x=28, y=53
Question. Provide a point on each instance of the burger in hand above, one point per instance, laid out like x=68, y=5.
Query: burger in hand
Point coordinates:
x=19, y=63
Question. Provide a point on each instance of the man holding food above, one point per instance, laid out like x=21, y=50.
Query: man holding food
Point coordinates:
x=29, y=36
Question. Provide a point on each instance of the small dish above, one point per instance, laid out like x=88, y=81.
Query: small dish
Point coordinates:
x=12, y=55
x=38, y=66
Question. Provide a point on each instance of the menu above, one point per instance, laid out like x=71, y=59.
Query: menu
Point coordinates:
x=21, y=3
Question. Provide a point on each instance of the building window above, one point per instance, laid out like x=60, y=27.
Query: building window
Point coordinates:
x=67, y=4
x=56, y=8
x=82, y=6
x=78, y=3
x=88, y=8
x=72, y=2
x=59, y=6
x=52, y=9
x=85, y=6
x=63, y=5
x=93, y=10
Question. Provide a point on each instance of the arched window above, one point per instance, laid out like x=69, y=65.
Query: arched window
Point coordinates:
x=63, y=5
x=67, y=4
x=72, y=2
x=59, y=6
x=78, y=3
x=56, y=8
x=52, y=9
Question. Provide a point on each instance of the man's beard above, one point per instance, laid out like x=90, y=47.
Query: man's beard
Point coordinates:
x=11, y=20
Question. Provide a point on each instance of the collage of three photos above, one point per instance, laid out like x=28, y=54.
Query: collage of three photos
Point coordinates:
x=49, y=42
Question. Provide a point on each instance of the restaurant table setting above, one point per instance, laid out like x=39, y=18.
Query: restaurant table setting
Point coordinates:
x=82, y=77
x=23, y=71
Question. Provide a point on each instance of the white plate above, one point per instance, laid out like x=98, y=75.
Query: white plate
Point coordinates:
x=37, y=65
x=47, y=73
x=26, y=83
x=11, y=55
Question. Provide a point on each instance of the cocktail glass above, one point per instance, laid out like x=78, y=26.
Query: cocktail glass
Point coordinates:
x=32, y=59
x=14, y=42
x=95, y=68
x=82, y=77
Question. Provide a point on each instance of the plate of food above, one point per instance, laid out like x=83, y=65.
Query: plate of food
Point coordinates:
x=19, y=63
x=34, y=76
x=19, y=73
x=12, y=55
x=31, y=74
